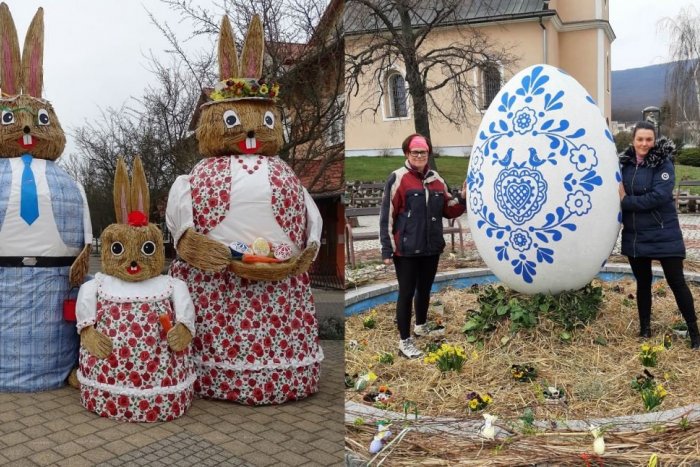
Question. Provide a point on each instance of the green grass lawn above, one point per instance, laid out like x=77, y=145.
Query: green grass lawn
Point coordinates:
x=687, y=172
x=377, y=169
x=452, y=169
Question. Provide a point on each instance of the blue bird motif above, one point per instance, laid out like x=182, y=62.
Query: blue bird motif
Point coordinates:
x=505, y=162
x=535, y=160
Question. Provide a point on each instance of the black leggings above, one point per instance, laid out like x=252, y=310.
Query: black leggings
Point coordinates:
x=416, y=275
x=673, y=271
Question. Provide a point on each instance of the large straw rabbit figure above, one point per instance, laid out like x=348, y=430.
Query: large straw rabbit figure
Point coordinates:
x=257, y=340
x=133, y=365
x=45, y=231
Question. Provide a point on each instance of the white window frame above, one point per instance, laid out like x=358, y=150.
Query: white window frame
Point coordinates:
x=481, y=85
x=387, y=100
x=335, y=133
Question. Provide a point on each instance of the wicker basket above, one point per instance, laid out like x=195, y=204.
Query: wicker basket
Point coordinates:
x=275, y=271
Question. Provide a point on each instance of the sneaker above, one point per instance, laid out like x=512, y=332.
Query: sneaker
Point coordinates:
x=408, y=348
x=429, y=329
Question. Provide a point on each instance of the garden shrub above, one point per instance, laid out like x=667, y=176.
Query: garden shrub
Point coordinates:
x=690, y=156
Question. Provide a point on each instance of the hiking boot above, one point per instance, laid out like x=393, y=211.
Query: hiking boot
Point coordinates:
x=645, y=332
x=694, y=335
x=429, y=329
x=408, y=348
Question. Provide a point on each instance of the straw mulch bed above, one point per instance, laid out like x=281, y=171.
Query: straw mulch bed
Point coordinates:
x=673, y=446
x=594, y=369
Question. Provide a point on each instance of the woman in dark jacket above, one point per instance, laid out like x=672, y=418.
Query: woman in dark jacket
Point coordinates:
x=410, y=228
x=650, y=224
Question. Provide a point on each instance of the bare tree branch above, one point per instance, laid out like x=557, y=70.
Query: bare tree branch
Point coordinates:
x=683, y=79
x=390, y=32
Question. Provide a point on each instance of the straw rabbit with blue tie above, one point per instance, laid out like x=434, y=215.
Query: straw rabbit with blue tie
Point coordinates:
x=45, y=231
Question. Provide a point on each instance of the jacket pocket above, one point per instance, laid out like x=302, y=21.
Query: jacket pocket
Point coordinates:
x=657, y=217
x=406, y=229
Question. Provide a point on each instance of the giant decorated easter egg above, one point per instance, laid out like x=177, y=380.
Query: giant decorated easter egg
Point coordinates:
x=544, y=210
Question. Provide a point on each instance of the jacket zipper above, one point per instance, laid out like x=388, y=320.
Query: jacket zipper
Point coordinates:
x=427, y=215
x=634, y=218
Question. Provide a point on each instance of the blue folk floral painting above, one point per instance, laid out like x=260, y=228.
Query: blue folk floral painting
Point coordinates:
x=521, y=218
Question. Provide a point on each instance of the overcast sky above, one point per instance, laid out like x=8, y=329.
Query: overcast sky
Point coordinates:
x=95, y=52
x=638, y=41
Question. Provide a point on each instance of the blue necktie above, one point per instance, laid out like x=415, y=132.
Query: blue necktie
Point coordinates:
x=29, y=204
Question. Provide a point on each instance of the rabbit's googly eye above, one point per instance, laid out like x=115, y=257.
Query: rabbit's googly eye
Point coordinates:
x=148, y=248
x=117, y=249
x=231, y=119
x=8, y=117
x=43, y=117
x=269, y=120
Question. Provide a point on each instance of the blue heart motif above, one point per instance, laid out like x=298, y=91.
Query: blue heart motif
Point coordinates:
x=520, y=194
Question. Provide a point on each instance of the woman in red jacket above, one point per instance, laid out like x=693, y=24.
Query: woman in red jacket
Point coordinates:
x=415, y=200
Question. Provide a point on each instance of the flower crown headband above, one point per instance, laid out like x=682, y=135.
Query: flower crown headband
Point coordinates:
x=244, y=88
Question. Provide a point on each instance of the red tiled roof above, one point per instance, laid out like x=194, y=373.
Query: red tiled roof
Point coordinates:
x=321, y=176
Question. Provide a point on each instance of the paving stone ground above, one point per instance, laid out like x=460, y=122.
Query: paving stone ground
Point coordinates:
x=52, y=428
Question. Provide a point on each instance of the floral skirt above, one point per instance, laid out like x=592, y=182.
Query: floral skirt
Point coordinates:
x=141, y=408
x=257, y=341
x=142, y=379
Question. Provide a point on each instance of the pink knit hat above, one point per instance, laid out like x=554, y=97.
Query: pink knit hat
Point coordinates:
x=418, y=142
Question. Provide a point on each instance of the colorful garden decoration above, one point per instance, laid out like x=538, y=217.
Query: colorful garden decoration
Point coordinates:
x=45, y=230
x=135, y=324
x=257, y=332
x=543, y=181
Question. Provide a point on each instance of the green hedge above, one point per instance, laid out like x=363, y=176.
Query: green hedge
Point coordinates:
x=689, y=156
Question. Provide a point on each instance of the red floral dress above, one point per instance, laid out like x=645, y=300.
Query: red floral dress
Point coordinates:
x=257, y=341
x=142, y=380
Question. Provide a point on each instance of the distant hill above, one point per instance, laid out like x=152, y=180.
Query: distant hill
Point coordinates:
x=637, y=88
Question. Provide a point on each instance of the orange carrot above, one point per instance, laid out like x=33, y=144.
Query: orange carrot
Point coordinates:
x=259, y=259
x=165, y=322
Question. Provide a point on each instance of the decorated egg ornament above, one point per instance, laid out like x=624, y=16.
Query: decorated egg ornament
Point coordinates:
x=543, y=178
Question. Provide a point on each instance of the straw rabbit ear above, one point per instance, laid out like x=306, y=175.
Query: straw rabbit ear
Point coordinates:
x=228, y=60
x=10, y=71
x=253, y=49
x=121, y=193
x=140, y=199
x=33, y=56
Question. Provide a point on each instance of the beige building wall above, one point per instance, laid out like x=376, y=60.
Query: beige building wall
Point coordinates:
x=574, y=40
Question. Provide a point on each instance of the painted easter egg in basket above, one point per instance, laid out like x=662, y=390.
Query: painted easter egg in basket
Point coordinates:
x=543, y=178
x=261, y=247
x=282, y=251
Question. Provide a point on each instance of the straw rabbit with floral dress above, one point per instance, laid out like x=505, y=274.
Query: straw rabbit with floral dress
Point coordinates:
x=257, y=340
x=134, y=365
x=45, y=231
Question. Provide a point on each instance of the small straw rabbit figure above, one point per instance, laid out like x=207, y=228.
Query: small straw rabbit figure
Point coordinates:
x=257, y=338
x=134, y=365
x=45, y=230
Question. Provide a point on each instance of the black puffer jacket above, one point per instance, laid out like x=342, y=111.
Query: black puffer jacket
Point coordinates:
x=650, y=225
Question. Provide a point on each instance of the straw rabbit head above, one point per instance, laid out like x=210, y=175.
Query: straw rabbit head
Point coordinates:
x=28, y=123
x=132, y=249
x=241, y=117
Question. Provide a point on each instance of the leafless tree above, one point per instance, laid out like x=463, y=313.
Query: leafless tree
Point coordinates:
x=387, y=32
x=683, y=80
x=303, y=49
x=156, y=125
